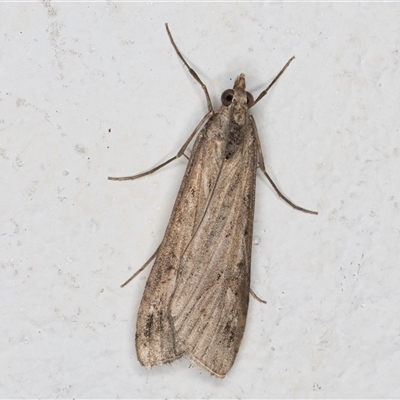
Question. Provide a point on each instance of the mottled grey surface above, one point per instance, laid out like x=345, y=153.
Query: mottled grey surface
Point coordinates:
x=90, y=90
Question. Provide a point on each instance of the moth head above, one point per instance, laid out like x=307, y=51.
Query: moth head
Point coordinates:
x=238, y=93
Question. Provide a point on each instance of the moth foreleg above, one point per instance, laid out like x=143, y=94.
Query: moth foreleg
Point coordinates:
x=180, y=153
x=262, y=168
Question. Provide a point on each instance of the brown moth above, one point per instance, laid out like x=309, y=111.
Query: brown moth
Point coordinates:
x=196, y=298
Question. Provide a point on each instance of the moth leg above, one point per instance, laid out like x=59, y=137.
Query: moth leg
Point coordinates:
x=180, y=153
x=265, y=91
x=262, y=168
x=192, y=71
x=141, y=268
x=257, y=298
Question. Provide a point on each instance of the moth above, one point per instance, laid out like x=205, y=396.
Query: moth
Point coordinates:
x=197, y=294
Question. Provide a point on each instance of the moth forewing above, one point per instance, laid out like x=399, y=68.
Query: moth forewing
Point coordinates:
x=196, y=297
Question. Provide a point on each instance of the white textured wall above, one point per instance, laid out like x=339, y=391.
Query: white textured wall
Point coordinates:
x=69, y=238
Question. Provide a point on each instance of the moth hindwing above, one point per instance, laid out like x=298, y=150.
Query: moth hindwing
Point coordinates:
x=196, y=297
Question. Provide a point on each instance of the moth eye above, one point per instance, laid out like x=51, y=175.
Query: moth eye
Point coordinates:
x=250, y=99
x=227, y=97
